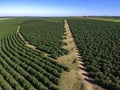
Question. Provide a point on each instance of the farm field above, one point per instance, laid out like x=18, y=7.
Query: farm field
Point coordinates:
x=98, y=42
x=4, y=18
x=107, y=19
x=23, y=68
x=59, y=54
x=45, y=35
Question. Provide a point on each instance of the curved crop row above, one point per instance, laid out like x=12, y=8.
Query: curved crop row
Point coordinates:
x=33, y=66
x=29, y=54
x=38, y=55
x=29, y=69
x=13, y=62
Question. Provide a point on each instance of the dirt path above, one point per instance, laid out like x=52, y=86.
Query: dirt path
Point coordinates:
x=81, y=72
x=69, y=80
x=29, y=45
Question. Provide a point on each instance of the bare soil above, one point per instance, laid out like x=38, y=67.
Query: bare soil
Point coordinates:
x=77, y=78
x=70, y=80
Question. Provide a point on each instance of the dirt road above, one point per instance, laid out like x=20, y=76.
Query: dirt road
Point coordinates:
x=82, y=73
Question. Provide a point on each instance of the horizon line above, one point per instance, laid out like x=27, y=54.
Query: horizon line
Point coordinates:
x=67, y=16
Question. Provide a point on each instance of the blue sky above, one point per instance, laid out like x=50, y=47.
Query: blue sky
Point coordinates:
x=59, y=7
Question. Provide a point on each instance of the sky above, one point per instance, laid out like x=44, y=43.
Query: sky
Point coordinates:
x=59, y=7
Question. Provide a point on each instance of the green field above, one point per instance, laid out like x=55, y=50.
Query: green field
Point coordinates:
x=99, y=43
x=45, y=35
x=25, y=68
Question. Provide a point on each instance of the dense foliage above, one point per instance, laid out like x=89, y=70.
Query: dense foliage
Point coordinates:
x=24, y=68
x=46, y=35
x=99, y=44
